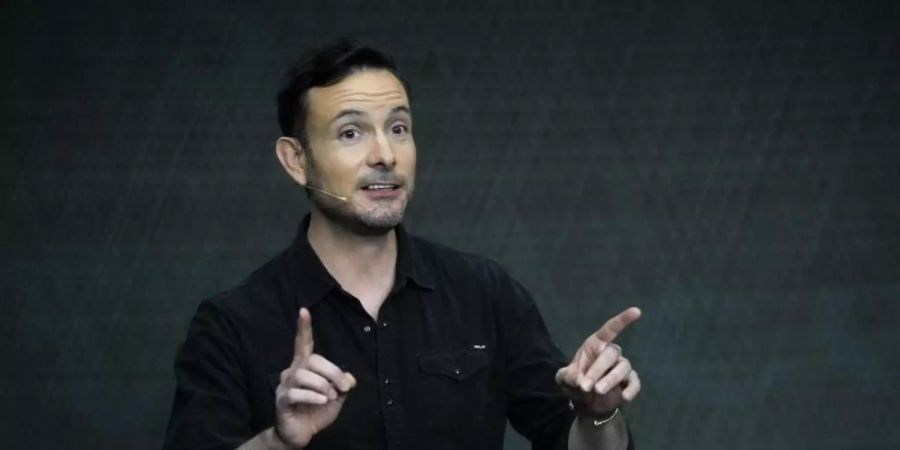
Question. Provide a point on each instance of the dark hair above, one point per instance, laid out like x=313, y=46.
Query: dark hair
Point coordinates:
x=324, y=66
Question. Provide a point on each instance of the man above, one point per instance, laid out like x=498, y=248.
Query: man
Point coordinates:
x=363, y=336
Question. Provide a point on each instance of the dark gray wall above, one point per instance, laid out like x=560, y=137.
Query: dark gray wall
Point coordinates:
x=731, y=167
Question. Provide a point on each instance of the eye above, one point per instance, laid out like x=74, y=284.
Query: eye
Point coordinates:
x=399, y=129
x=349, y=134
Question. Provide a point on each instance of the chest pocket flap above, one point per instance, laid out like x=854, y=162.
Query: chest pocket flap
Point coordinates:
x=455, y=364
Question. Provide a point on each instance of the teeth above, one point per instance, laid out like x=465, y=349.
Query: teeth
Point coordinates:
x=380, y=186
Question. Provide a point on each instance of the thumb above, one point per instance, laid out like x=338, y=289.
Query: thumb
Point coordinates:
x=567, y=375
x=343, y=395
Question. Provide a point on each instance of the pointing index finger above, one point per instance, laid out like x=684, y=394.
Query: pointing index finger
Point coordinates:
x=615, y=326
x=303, y=342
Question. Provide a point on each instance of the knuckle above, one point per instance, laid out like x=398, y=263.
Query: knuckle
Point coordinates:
x=318, y=364
x=289, y=381
x=609, y=354
x=319, y=384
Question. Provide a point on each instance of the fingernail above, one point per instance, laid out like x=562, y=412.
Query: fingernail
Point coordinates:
x=586, y=386
x=601, y=388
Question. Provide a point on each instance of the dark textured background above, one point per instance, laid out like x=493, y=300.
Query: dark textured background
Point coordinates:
x=731, y=167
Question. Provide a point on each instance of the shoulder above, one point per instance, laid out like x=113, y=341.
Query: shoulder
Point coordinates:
x=434, y=253
x=447, y=262
x=257, y=304
x=468, y=276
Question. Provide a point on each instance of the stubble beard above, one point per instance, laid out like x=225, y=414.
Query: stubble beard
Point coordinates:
x=378, y=221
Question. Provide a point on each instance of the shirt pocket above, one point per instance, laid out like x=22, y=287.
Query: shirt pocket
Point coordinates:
x=458, y=365
x=453, y=394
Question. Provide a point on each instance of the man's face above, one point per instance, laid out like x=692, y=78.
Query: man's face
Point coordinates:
x=361, y=147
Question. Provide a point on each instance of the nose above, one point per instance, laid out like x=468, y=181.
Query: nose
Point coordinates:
x=381, y=153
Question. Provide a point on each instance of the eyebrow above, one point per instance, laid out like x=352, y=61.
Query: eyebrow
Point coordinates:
x=356, y=112
x=403, y=109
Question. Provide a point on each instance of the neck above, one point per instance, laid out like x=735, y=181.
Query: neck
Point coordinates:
x=363, y=265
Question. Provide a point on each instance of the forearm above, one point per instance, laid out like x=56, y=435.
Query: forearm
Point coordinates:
x=265, y=440
x=612, y=435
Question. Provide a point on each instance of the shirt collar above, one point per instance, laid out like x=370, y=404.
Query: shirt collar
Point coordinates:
x=314, y=281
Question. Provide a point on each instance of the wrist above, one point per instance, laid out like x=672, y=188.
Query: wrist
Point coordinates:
x=276, y=441
x=596, y=418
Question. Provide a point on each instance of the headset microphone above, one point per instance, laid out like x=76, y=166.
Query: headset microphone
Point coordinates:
x=343, y=199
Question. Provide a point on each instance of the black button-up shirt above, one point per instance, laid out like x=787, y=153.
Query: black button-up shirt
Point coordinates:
x=458, y=348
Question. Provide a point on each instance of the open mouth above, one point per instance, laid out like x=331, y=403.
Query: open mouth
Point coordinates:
x=380, y=187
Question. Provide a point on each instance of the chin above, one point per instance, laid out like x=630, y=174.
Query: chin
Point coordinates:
x=379, y=224
x=369, y=223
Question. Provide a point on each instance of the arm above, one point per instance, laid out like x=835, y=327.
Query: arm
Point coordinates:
x=265, y=440
x=309, y=397
x=210, y=409
x=613, y=435
x=598, y=381
x=538, y=406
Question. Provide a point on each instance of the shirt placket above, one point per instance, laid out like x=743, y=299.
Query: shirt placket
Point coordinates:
x=385, y=332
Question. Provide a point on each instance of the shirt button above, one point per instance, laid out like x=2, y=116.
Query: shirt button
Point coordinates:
x=367, y=329
x=384, y=324
x=457, y=371
x=390, y=402
x=387, y=381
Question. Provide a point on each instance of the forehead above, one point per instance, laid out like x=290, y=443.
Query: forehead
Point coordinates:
x=366, y=90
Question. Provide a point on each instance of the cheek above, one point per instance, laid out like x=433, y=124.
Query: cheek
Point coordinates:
x=345, y=167
x=411, y=156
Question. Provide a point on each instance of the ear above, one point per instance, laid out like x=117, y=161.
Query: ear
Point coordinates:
x=292, y=156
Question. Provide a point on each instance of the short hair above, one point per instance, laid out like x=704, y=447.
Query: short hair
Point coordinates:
x=324, y=66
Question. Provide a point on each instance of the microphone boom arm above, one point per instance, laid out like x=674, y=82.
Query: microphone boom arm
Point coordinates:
x=343, y=199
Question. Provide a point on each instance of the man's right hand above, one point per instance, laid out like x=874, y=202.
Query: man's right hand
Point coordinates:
x=312, y=390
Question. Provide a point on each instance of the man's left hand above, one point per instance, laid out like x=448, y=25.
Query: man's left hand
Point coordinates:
x=599, y=378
